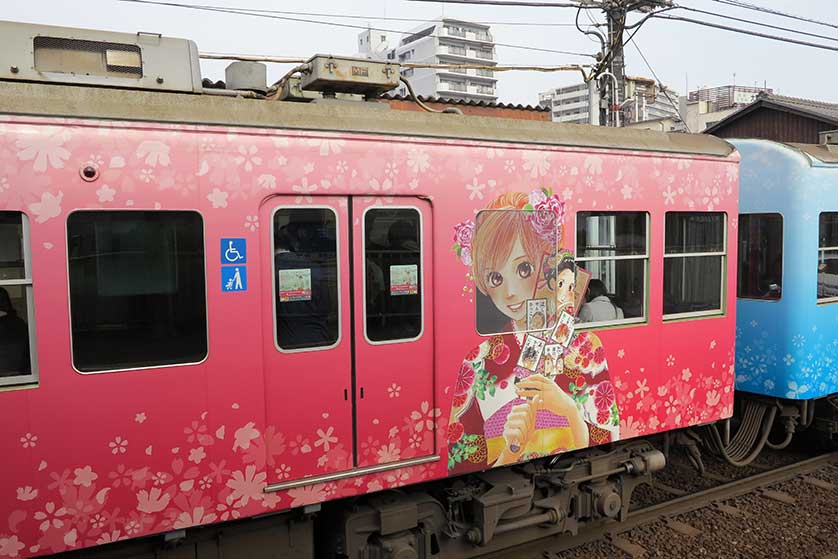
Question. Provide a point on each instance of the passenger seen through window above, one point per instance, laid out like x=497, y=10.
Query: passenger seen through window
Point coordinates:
x=613, y=247
x=306, y=278
x=598, y=306
x=14, y=339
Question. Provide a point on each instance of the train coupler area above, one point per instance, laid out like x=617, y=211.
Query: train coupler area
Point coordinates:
x=473, y=515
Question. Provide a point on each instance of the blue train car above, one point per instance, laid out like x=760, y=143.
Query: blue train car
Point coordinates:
x=787, y=306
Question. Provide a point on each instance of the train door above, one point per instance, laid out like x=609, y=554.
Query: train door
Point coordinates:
x=307, y=337
x=392, y=252
x=348, y=336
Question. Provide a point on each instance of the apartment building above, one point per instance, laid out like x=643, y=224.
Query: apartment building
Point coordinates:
x=444, y=41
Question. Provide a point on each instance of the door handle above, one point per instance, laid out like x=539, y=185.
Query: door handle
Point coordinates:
x=345, y=394
x=362, y=392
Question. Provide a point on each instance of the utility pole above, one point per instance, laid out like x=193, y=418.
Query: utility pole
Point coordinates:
x=616, y=15
x=614, y=72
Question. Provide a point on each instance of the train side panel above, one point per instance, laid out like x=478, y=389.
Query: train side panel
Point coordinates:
x=99, y=457
x=788, y=348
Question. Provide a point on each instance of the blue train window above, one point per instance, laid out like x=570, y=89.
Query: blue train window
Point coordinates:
x=693, y=264
x=828, y=258
x=760, y=269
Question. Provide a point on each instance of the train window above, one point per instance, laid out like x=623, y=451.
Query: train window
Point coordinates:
x=828, y=258
x=614, y=248
x=393, y=274
x=137, y=289
x=760, y=270
x=306, y=278
x=693, y=264
x=17, y=347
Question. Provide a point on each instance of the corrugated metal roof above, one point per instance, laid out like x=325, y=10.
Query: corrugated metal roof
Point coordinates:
x=209, y=84
x=821, y=109
x=818, y=110
x=468, y=102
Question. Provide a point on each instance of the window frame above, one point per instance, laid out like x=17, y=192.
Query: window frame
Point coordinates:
x=274, y=281
x=783, y=260
x=28, y=284
x=825, y=300
x=646, y=257
x=70, y=302
x=421, y=333
x=721, y=311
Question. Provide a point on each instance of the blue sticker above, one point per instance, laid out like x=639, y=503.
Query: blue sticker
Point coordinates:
x=233, y=278
x=233, y=251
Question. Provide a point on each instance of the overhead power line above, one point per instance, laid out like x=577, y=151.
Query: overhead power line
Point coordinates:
x=404, y=19
x=515, y=3
x=494, y=68
x=758, y=23
x=221, y=9
x=757, y=8
x=747, y=32
x=660, y=84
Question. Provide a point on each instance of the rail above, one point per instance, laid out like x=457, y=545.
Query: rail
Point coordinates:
x=681, y=504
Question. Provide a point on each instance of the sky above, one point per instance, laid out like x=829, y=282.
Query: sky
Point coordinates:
x=683, y=55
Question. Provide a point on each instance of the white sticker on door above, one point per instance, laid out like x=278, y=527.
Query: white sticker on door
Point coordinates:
x=295, y=285
x=404, y=279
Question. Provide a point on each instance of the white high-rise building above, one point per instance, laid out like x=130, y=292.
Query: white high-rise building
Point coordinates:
x=444, y=41
x=568, y=104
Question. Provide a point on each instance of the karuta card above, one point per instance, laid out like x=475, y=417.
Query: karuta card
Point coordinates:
x=564, y=329
x=531, y=353
x=583, y=278
x=553, y=354
x=536, y=314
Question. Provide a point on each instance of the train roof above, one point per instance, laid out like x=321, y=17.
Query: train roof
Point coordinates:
x=815, y=154
x=821, y=153
x=72, y=101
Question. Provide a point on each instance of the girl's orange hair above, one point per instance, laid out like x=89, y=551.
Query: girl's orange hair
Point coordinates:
x=496, y=230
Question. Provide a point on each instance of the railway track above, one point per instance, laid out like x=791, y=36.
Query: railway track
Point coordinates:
x=681, y=502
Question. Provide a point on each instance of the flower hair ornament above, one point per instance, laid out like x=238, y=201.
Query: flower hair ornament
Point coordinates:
x=545, y=212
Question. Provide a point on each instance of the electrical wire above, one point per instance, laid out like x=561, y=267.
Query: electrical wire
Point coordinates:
x=404, y=19
x=662, y=87
x=747, y=32
x=419, y=102
x=221, y=9
x=757, y=8
x=588, y=33
x=494, y=68
x=514, y=3
x=758, y=23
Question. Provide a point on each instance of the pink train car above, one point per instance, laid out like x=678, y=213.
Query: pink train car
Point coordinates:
x=218, y=308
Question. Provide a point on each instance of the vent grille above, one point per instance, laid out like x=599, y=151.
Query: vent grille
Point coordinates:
x=97, y=58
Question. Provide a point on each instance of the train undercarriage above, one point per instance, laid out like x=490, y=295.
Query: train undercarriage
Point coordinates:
x=479, y=513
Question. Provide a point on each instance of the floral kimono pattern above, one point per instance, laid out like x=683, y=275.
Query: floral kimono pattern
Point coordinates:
x=475, y=441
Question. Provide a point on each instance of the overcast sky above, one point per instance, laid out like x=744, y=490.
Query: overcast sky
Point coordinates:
x=680, y=53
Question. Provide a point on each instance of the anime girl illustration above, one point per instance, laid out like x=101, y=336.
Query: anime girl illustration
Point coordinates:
x=509, y=403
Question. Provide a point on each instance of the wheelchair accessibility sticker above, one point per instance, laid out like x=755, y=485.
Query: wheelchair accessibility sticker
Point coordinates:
x=233, y=251
x=233, y=278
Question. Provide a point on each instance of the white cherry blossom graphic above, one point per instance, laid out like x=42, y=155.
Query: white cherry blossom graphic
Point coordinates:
x=44, y=147
x=154, y=153
x=105, y=193
x=48, y=208
x=218, y=198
